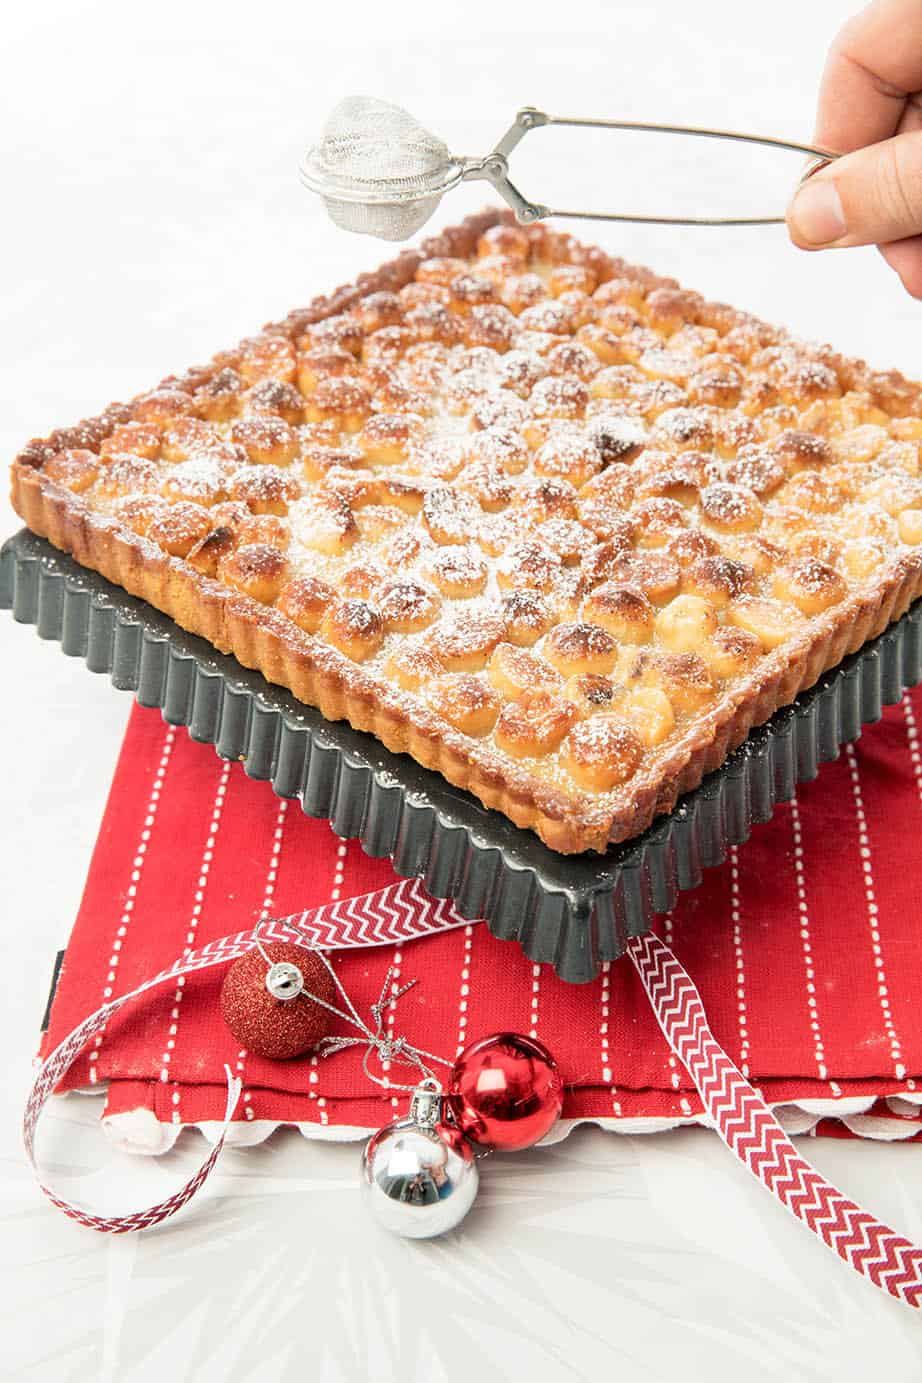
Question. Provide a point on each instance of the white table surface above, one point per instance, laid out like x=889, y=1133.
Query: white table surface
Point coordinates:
x=152, y=215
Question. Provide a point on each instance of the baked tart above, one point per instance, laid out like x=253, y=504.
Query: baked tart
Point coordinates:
x=558, y=528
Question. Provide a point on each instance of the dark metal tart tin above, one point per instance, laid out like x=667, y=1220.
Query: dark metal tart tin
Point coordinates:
x=572, y=911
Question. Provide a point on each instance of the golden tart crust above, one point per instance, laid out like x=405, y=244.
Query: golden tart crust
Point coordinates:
x=559, y=529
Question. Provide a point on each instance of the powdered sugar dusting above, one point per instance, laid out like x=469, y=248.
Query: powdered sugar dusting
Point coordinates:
x=498, y=457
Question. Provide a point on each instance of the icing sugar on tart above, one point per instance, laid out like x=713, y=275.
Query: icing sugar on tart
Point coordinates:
x=553, y=525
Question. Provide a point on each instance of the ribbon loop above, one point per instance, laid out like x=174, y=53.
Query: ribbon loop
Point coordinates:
x=399, y=913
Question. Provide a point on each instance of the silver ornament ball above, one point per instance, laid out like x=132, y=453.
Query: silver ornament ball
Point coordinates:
x=419, y=1177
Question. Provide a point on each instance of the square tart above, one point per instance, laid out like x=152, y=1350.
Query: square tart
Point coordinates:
x=558, y=528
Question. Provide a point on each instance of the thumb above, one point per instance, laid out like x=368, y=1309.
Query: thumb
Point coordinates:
x=869, y=197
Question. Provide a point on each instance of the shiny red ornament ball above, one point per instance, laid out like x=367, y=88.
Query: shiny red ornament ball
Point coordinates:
x=276, y=1028
x=505, y=1091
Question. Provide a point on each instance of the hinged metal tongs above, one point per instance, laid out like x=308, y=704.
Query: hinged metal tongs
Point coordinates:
x=495, y=168
x=380, y=172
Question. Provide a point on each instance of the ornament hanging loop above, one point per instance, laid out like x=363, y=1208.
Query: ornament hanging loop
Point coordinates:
x=426, y=1103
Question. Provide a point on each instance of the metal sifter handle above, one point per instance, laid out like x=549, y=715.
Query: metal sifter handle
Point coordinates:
x=379, y=172
x=495, y=168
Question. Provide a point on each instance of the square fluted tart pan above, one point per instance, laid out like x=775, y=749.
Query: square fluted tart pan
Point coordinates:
x=572, y=911
x=553, y=526
x=559, y=530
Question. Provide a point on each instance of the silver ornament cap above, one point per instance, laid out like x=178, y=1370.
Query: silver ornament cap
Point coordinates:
x=284, y=980
x=419, y=1175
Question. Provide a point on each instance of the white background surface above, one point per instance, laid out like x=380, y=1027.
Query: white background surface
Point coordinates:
x=152, y=215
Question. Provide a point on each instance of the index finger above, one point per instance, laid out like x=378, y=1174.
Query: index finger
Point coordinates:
x=874, y=64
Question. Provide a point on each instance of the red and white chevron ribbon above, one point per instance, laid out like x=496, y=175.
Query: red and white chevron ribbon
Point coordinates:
x=399, y=913
x=403, y=912
x=753, y=1134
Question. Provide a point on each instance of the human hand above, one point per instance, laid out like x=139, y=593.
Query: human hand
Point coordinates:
x=870, y=109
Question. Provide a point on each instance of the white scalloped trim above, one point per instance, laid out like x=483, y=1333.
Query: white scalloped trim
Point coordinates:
x=139, y=1131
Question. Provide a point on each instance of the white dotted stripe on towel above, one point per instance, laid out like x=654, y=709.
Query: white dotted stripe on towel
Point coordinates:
x=336, y=893
x=464, y=989
x=535, y=1000
x=803, y=914
x=197, y=905
x=272, y=874
x=604, y=1044
x=915, y=757
x=864, y=854
x=912, y=736
x=736, y=920
x=339, y=872
x=396, y=964
x=137, y=866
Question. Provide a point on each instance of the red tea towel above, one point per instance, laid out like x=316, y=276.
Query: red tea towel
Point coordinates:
x=804, y=947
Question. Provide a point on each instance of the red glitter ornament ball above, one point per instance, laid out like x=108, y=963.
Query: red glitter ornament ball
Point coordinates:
x=276, y=1028
x=505, y=1091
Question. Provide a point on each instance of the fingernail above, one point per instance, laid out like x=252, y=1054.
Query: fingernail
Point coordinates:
x=816, y=213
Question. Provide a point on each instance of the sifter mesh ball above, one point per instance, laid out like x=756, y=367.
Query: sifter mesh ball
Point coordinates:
x=378, y=171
